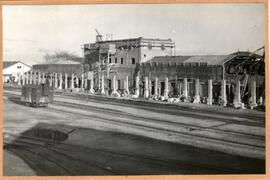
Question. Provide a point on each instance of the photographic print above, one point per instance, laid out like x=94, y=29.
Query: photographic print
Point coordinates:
x=134, y=89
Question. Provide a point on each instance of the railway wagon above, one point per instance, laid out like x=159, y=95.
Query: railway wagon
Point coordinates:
x=37, y=95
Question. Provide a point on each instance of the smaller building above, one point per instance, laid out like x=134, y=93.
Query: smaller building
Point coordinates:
x=62, y=73
x=12, y=70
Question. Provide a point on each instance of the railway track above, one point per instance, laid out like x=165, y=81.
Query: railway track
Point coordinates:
x=187, y=113
x=77, y=158
x=193, y=128
x=160, y=129
x=190, y=114
x=163, y=121
x=172, y=109
x=189, y=131
x=168, y=109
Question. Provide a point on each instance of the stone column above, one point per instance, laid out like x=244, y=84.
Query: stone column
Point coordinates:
x=117, y=84
x=210, y=92
x=43, y=78
x=137, y=88
x=114, y=84
x=102, y=84
x=127, y=85
x=77, y=81
x=34, y=77
x=185, y=90
x=72, y=81
x=23, y=79
x=82, y=82
x=223, y=93
x=253, y=93
x=91, y=84
x=156, y=86
x=176, y=86
x=19, y=79
x=66, y=81
x=39, y=78
x=180, y=88
x=159, y=89
x=27, y=78
x=85, y=83
x=31, y=77
x=60, y=81
x=150, y=87
x=146, y=88
x=197, y=91
x=237, y=94
x=55, y=81
x=51, y=79
x=166, y=90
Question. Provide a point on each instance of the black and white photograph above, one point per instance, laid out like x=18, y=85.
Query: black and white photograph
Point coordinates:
x=134, y=89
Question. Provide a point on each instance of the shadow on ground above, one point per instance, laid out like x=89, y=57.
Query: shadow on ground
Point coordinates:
x=55, y=149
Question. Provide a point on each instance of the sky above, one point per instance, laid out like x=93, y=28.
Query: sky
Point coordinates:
x=29, y=32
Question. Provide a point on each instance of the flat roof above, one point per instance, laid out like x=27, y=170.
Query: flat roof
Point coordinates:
x=134, y=39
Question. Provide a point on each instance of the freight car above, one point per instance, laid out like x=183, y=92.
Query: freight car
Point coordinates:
x=37, y=95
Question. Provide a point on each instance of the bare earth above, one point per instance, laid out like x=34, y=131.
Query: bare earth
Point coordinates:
x=118, y=137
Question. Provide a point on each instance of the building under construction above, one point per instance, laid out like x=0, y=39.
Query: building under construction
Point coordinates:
x=147, y=68
x=235, y=79
x=113, y=62
x=144, y=67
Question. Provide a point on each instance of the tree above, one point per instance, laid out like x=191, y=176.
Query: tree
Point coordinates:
x=50, y=57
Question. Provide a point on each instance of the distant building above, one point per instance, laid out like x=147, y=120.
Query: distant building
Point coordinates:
x=60, y=66
x=13, y=69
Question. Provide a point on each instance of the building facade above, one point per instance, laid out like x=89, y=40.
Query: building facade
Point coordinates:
x=12, y=70
x=116, y=60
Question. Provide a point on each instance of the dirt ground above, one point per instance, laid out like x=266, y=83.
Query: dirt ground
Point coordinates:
x=96, y=147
